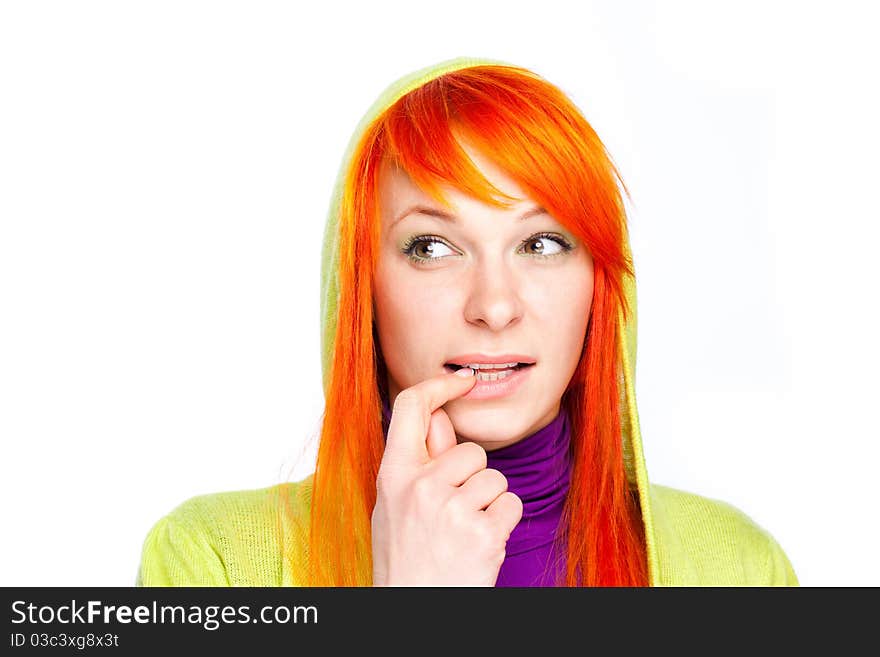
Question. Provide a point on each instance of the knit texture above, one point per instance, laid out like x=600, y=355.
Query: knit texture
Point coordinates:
x=259, y=537
x=243, y=539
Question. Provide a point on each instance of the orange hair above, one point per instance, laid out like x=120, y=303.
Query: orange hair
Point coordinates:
x=533, y=132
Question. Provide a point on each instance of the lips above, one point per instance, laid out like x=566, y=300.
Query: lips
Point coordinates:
x=452, y=367
x=497, y=383
x=485, y=359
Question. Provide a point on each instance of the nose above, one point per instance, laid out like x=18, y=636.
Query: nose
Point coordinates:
x=493, y=297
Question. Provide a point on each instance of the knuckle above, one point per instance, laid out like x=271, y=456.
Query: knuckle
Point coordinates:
x=489, y=538
x=457, y=511
x=513, y=499
x=482, y=533
x=475, y=452
x=423, y=490
x=514, y=504
x=408, y=399
x=496, y=479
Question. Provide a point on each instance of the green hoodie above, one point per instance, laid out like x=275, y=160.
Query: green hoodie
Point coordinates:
x=240, y=539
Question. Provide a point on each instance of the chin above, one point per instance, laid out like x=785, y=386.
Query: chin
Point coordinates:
x=489, y=427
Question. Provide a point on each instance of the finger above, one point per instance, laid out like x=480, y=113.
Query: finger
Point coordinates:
x=457, y=464
x=411, y=415
x=481, y=489
x=505, y=511
x=441, y=434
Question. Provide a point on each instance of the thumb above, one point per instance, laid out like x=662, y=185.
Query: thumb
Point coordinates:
x=441, y=434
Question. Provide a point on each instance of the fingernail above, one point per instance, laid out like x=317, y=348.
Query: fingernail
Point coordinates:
x=464, y=372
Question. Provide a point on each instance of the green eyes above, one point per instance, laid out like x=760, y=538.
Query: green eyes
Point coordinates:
x=423, y=248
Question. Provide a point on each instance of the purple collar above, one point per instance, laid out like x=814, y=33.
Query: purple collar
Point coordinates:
x=537, y=470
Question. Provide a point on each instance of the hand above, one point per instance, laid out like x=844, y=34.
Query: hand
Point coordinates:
x=441, y=517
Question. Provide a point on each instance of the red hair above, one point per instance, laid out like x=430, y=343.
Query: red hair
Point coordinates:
x=533, y=132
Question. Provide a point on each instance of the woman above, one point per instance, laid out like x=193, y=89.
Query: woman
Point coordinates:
x=477, y=221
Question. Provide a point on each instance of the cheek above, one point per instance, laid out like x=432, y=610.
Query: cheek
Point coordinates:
x=407, y=308
x=414, y=324
x=567, y=311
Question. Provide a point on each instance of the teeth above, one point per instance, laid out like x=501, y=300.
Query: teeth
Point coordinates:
x=494, y=376
x=491, y=366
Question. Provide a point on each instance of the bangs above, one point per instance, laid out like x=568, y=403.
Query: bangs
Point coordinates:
x=526, y=127
x=433, y=157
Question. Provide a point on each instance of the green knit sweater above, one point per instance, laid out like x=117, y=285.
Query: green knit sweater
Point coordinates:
x=241, y=539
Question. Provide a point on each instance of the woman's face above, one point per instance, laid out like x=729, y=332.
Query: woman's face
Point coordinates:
x=482, y=282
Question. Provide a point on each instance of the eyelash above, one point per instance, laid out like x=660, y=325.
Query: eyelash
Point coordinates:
x=410, y=245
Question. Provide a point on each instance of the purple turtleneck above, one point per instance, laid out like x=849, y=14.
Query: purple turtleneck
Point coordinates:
x=537, y=470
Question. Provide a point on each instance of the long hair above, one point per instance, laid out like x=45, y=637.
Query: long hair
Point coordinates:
x=533, y=132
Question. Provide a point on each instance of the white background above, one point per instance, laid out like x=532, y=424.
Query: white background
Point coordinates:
x=165, y=171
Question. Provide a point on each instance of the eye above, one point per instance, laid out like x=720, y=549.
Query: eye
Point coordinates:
x=425, y=247
x=537, y=245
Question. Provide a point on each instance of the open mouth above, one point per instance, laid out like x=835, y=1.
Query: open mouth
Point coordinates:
x=452, y=367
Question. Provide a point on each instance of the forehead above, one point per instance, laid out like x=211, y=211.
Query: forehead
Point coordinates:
x=398, y=190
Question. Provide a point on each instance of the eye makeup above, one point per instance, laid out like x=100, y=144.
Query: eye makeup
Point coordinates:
x=413, y=243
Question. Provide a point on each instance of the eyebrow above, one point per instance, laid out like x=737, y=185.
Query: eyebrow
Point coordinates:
x=446, y=216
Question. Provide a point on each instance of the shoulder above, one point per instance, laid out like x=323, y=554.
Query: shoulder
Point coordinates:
x=704, y=541
x=232, y=538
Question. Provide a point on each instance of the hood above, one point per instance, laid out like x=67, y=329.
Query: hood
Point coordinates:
x=636, y=472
